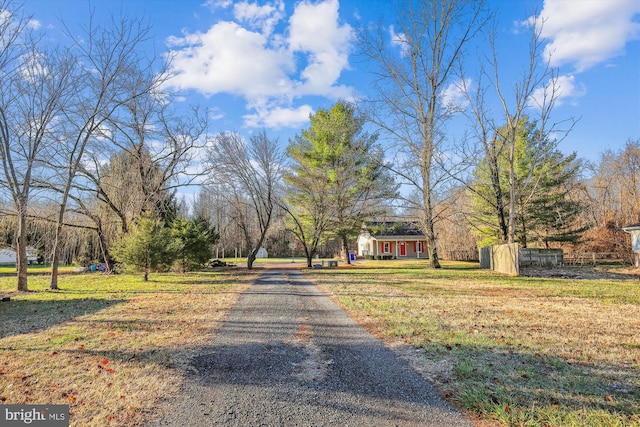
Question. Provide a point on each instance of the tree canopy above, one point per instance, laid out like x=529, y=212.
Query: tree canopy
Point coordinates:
x=544, y=210
x=148, y=246
x=337, y=179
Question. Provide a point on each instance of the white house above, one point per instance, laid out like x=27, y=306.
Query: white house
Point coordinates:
x=9, y=257
x=634, y=230
x=392, y=239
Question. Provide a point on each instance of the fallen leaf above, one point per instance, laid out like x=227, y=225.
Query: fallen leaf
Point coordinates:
x=609, y=398
x=105, y=361
x=507, y=409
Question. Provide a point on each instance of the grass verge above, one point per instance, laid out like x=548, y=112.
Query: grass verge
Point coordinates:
x=510, y=351
x=110, y=346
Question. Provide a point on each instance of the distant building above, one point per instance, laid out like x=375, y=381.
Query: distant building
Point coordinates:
x=392, y=239
x=262, y=253
x=9, y=257
x=634, y=230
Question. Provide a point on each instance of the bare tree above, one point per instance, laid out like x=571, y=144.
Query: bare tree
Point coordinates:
x=252, y=172
x=614, y=188
x=36, y=86
x=531, y=97
x=413, y=70
x=113, y=74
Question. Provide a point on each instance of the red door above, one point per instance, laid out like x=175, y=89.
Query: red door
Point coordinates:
x=403, y=249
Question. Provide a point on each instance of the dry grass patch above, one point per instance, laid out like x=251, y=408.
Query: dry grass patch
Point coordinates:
x=109, y=346
x=519, y=351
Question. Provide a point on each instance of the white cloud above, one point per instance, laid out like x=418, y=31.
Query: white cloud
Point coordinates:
x=453, y=97
x=314, y=29
x=34, y=67
x=5, y=16
x=34, y=24
x=398, y=40
x=567, y=91
x=260, y=17
x=249, y=59
x=215, y=4
x=216, y=113
x=587, y=33
x=231, y=59
x=276, y=117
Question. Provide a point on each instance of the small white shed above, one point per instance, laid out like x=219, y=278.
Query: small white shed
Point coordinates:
x=8, y=256
x=262, y=253
x=634, y=230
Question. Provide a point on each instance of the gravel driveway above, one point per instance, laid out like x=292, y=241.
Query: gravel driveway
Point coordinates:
x=288, y=356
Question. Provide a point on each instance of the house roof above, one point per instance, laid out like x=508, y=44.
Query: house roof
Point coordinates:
x=391, y=229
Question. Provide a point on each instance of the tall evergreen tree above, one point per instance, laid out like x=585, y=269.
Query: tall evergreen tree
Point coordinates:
x=542, y=174
x=195, y=238
x=337, y=179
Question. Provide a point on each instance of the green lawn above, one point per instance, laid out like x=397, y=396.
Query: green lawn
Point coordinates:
x=110, y=346
x=513, y=350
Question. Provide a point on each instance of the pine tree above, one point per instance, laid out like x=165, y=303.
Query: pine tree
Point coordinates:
x=337, y=178
x=545, y=211
x=148, y=246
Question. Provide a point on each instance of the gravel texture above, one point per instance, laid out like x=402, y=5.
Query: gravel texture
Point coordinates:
x=288, y=356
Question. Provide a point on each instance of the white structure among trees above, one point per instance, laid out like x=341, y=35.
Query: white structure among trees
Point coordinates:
x=634, y=230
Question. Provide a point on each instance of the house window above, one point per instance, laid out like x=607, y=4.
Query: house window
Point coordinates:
x=386, y=248
x=420, y=248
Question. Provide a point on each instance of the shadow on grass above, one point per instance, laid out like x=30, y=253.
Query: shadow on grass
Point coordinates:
x=519, y=387
x=26, y=316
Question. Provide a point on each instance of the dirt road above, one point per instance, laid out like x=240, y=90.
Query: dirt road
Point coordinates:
x=288, y=356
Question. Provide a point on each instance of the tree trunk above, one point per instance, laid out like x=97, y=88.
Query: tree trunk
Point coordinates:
x=104, y=248
x=53, y=284
x=345, y=248
x=21, y=249
x=308, y=255
x=434, y=261
x=430, y=233
x=512, y=188
x=251, y=257
x=495, y=182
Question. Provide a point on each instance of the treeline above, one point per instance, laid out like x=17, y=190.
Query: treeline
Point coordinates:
x=94, y=151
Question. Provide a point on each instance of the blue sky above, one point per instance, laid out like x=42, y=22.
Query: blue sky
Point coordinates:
x=268, y=64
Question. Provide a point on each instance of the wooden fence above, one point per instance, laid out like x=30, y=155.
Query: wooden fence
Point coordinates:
x=596, y=258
